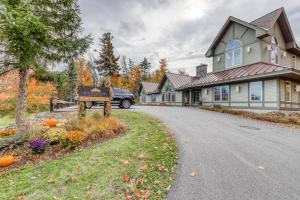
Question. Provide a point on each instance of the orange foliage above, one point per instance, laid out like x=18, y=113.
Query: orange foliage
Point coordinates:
x=73, y=138
x=38, y=93
x=6, y=161
x=85, y=77
x=7, y=132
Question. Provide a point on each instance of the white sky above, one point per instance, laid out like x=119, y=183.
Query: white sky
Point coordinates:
x=179, y=30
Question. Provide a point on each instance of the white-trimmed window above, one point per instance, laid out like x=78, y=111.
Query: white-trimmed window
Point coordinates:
x=274, y=50
x=233, y=53
x=288, y=91
x=256, y=91
x=221, y=93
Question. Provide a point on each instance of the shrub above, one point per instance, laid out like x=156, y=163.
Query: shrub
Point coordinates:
x=7, y=160
x=107, y=127
x=97, y=116
x=54, y=135
x=73, y=138
x=50, y=122
x=73, y=125
x=7, y=132
x=38, y=145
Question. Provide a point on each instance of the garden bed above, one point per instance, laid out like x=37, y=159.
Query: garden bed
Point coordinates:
x=292, y=119
x=49, y=139
x=137, y=165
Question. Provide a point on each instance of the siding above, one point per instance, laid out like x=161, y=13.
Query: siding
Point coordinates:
x=240, y=98
x=270, y=93
x=248, y=39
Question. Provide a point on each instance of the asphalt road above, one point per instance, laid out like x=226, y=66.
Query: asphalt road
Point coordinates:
x=225, y=157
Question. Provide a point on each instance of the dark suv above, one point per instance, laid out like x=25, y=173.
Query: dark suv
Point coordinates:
x=121, y=97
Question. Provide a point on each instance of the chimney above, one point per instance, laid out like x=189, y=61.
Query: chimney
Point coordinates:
x=201, y=70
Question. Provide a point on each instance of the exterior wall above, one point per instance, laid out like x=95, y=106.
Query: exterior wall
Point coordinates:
x=247, y=38
x=295, y=103
x=167, y=87
x=239, y=96
x=282, y=60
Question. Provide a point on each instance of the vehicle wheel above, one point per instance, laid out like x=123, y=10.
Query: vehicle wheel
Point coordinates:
x=88, y=104
x=126, y=104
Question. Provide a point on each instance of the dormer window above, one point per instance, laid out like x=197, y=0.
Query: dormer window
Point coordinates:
x=233, y=53
x=274, y=50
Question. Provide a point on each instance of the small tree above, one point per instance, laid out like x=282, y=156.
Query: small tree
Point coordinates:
x=35, y=33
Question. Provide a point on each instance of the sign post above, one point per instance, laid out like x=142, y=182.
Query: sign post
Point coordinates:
x=93, y=94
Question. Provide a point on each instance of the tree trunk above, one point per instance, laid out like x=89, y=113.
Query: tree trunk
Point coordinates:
x=22, y=96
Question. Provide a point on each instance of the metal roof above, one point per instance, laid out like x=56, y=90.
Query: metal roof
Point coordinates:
x=237, y=74
x=178, y=80
x=149, y=87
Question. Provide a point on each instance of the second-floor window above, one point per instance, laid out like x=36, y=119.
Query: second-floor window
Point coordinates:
x=233, y=53
x=274, y=50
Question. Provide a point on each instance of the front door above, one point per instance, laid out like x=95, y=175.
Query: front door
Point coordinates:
x=196, y=97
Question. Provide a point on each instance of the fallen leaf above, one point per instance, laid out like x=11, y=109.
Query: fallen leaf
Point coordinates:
x=141, y=156
x=125, y=178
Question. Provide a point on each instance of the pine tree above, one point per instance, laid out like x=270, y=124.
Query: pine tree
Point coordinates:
x=36, y=33
x=145, y=67
x=72, y=80
x=131, y=64
x=107, y=62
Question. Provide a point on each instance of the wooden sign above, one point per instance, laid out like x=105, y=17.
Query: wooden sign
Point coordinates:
x=91, y=93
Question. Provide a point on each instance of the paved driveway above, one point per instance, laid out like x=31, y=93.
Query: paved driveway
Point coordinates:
x=227, y=157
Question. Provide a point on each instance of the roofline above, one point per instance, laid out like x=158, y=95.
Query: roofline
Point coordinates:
x=281, y=8
x=221, y=32
x=265, y=75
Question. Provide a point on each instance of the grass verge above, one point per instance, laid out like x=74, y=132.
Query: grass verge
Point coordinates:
x=138, y=165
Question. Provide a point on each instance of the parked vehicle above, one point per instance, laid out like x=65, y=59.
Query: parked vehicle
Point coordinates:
x=121, y=97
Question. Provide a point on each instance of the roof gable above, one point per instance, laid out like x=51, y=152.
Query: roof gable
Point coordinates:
x=259, y=32
x=148, y=87
x=177, y=80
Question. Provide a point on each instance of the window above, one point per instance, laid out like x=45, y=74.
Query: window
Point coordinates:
x=294, y=63
x=288, y=91
x=221, y=93
x=274, y=50
x=153, y=98
x=163, y=97
x=173, y=97
x=233, y=53
x=196, y=96
x=256, y=91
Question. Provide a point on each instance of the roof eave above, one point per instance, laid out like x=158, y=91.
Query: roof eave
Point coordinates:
x=266, y=75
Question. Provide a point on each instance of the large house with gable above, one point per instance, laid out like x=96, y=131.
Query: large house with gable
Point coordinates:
x=256, y=65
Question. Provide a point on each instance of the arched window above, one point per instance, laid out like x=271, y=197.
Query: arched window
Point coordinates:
x=233, y=53
x=274, y=50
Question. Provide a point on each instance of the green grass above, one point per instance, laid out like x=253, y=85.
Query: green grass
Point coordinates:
x=6, y=120
x=96, y=173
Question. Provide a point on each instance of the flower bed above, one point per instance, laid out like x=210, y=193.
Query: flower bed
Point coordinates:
x=51, y=138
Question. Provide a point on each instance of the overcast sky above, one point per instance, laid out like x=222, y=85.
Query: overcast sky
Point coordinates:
x=179, y=30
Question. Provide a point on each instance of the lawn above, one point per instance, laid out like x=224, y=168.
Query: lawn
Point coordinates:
x=140, y=163
x=6, y=120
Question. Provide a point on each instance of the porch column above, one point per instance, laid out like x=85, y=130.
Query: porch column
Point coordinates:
x=190, y=98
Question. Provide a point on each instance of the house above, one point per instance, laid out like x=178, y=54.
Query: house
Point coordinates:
x=256, y=65
x=166, y=92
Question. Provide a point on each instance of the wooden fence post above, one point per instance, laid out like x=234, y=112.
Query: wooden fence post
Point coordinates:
x=51, y=104
x=107, y=104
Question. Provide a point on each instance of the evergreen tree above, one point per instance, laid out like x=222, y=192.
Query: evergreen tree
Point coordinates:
x=131, y=64
x=145, y=67
x=35, y=33
x=107, y=62
x=124, y=66
x=72, y=80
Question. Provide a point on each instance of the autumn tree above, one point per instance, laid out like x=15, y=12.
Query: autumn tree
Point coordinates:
x=107, y=62
x=84, y=73
x=159, y=73
x=35, y=33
